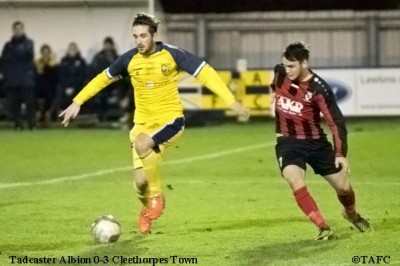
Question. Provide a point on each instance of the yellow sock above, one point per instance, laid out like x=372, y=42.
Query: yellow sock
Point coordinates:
x=151, y=166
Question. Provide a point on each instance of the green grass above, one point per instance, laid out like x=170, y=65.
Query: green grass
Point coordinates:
x=229, y=208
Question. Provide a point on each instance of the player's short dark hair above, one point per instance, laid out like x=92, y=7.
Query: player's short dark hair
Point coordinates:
x=17, y=23
x=297, y=51
x=148, y=20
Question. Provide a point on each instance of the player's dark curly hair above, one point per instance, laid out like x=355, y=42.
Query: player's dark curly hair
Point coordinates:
x=146, y=19
x=297, y=51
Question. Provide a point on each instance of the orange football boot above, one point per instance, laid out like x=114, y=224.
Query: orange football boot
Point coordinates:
x=155, y=206
x=144, y=222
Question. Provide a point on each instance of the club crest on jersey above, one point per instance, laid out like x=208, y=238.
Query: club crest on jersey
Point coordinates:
x=308, y=96
x=288, y=105
x=166, y=69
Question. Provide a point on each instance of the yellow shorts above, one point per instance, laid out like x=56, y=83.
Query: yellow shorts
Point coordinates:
x=163, y=133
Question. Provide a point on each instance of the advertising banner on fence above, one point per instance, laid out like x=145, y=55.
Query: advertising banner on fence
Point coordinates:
x=250, y=87
x=196, y=97
x=365, y=92
x=359, y=92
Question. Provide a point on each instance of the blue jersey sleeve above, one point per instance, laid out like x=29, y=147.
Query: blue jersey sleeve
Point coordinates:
x=120, y=66
x=185, y=60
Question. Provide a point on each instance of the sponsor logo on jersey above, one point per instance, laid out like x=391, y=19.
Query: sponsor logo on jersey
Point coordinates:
x=288, y=105
x=137, y=70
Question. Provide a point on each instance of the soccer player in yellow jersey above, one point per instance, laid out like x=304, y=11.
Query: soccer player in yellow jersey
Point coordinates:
x=153, y=69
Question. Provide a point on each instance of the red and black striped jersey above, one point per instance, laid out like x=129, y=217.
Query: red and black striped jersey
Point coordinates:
x=298, y=106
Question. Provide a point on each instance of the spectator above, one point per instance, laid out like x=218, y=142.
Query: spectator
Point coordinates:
x=46, y=67
x=72, y=75
x=19, y=76
x=104, y=57
x=2, y=92
x=2, y=95
x=109, y=97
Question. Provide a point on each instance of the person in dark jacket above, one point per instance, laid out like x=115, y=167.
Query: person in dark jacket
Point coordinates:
x=3, y=107
x=2, y=91
x=103, y=59
x=47, y=68
x=72, y=74
x=19, y=76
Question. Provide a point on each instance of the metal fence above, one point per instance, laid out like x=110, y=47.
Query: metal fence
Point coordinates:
x=337, y=39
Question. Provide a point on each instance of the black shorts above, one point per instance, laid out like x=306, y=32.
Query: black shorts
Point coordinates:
x=318, y=153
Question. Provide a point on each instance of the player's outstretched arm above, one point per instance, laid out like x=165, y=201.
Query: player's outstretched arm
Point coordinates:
x=210, y=78
x=272, y=107
x=92, y=88
x=70, y=113
x=241, y=111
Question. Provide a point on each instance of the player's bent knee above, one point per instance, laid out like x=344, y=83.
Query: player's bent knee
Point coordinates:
x=339, y=182
x=295, y=182
x=343, y=188
x=294, y=175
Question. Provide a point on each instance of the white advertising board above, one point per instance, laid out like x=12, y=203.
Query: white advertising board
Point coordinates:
x=365, y=92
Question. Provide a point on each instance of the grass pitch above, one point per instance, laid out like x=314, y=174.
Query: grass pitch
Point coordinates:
x=226, y=203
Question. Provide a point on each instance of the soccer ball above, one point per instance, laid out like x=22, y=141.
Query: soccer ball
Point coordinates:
x=106, y=229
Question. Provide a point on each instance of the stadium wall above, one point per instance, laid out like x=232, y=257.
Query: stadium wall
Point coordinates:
x=337, y=38
x=87, y=23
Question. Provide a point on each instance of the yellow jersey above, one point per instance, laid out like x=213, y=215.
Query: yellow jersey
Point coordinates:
x=154, y=78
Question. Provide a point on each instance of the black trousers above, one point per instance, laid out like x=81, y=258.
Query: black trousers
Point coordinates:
x=16, y=97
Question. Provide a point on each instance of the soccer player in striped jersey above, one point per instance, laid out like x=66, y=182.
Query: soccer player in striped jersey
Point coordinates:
x=153, y=68
x=300, y=96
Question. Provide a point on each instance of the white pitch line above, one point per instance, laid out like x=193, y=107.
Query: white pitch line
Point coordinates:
x=126, y=168
x=220, y=154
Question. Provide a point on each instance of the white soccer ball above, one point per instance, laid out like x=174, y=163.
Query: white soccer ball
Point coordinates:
x=106, y=229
